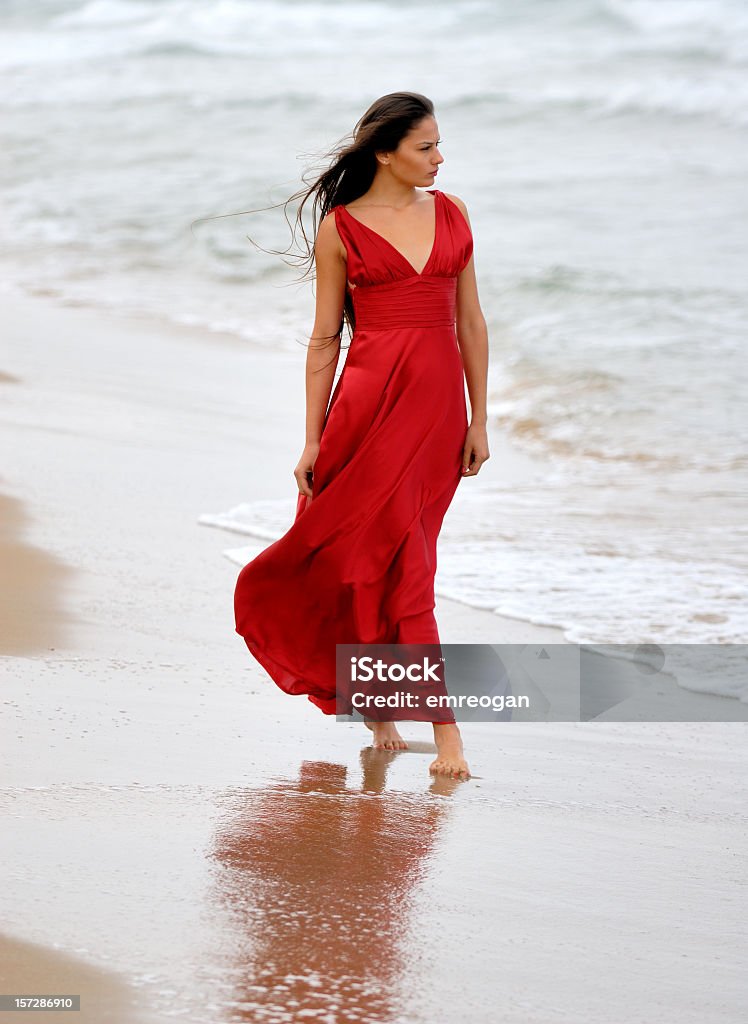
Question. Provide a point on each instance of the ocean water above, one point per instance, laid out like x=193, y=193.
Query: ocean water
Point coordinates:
x=601, y=146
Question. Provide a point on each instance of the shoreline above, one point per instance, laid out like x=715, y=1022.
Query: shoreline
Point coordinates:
x=140, y=336
x=135, y=720
x=109, y=440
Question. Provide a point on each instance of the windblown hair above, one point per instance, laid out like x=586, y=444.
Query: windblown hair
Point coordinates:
x=349, y=175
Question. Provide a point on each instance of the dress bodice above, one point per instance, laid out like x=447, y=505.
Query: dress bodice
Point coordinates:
x=372, y=260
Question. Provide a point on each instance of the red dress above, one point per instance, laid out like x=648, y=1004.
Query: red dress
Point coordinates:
x=358, y=563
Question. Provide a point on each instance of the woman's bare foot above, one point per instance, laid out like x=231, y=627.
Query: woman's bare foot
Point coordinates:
x=386, y=736
x=450, y=757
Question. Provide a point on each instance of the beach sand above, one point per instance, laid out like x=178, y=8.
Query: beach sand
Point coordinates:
x=180, y=833
x=32, y=611
x=26, y=968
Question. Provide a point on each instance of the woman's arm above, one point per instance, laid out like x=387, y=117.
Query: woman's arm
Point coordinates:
x=472, y=337
x=324, y=344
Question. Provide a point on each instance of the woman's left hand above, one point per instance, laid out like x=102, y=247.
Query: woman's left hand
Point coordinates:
x=475, y=451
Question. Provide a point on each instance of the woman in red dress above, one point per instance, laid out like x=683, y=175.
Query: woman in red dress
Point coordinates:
x=383, y=460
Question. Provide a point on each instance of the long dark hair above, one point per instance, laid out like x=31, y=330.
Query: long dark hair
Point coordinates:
x=349, y=175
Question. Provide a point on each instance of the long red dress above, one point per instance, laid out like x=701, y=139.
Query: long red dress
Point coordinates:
x=358, y=563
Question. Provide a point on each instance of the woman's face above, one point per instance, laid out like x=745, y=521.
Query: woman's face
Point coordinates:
x=416, y=159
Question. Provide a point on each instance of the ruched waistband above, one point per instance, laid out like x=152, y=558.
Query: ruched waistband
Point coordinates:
x=413, y=302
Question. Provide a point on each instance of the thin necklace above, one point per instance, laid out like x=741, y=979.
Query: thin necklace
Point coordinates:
x=389, y=206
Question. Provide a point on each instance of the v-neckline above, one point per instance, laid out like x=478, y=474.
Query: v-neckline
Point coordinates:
x=416, y=273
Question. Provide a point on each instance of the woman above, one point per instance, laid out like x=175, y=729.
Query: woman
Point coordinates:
x=381, y=464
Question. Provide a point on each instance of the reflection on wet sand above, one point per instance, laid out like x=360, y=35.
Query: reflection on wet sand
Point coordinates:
x=318, y=879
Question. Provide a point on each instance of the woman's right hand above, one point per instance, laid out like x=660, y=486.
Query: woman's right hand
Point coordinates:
x=303, y=471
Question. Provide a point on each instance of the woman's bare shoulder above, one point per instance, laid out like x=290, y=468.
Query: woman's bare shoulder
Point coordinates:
x=328, y=227
x=328, y=238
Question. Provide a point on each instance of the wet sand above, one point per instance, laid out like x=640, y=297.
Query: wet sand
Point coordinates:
x=175, y=821
x=28, y=969
x=32, y=608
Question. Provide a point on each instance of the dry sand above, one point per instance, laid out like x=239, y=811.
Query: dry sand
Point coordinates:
x=175, y=824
